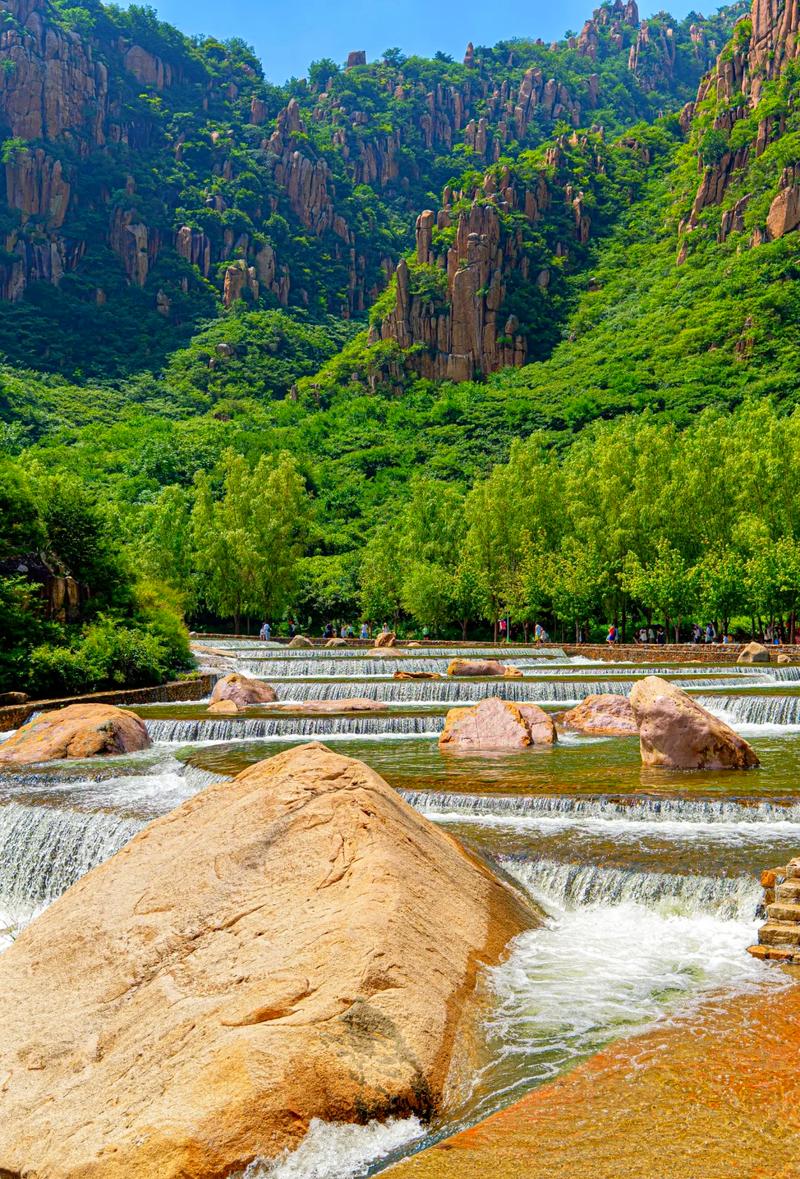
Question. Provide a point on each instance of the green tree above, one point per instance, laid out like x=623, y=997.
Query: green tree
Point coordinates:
x=249, y=541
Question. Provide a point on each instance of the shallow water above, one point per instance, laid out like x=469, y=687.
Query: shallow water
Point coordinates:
x=649, y=878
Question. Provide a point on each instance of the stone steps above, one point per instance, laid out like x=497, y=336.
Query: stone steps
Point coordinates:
x=779, y=937
x=779, y=933
x=782, y=912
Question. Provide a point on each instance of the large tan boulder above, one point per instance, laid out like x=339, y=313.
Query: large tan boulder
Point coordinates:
x=296, y=943
x=243, y=691
x=300, y=641
x=336, y=643
x=602, y=716
x=482, y=668
x=387, y=639
x=81, y=730
x=754, y=653
x=351, y=704
x=675, y=733
x=784, y=659
x=494, y=725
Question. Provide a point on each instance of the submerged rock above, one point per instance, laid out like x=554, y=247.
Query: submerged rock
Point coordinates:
x=495, y=725
x=416, y=675
x=296, y=943
x=353, y=704
x=224, y=708
x=482, y=668
x=81, y=730
x=675, y=733
x=754, y=653
x=604, y=716
x=243, y=691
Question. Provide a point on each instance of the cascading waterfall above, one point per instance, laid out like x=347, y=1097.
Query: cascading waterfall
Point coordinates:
x=754, y=710
x=654, y=810
x=44, y=849
x=276, y=669
x=264, y=728
x=445, y=691
x=568, y=886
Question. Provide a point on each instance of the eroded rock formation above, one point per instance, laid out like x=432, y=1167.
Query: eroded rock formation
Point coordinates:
x=297, y=943
x=737, y=84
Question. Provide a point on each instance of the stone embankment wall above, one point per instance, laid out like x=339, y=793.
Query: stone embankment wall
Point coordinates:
x=15, y=715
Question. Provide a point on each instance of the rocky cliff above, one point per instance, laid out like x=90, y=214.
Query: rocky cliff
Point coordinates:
x=137, y=160
x=743, y=107
x=480, y=288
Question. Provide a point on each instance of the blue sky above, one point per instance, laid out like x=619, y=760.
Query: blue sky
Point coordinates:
x=290, y=34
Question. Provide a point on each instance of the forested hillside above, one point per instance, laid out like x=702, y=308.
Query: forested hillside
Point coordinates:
x=276, y=338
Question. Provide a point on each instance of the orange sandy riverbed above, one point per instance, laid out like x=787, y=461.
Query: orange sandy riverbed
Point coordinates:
x=711, y=1097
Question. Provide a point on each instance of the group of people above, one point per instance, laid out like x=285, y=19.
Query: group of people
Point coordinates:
x=346, y=631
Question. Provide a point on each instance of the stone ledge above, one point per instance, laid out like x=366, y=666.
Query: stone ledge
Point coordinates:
x=14, y=716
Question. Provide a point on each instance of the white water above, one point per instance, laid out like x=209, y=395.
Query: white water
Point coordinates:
x=336, y=1151
x=725, y=823
x=184, y=732
x=757, y=714
x=602, y=971
x=43, y=849
x=564, y=887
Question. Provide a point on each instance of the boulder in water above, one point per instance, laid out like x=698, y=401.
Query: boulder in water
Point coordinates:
x=296, y=943
x=494, y=725
x=336, y=643
x=386, y=639
x=352, y=704
x=784, y=659
x=81, y=730
x=224, y=708
x=675, y=733
x=482, y=668
x=754, y=653
x=243, y=691
x=301, y=641
x=416, y=675
x=8, y=699
x=602, y=716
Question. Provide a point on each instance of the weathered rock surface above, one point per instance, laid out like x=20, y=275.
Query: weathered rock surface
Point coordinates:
x=336, y=643
x=352, y=704
x=606, y=716
x=675, y=733
x=389, y=639
x=416, y=675
x=81, y=730
x=476, y=667
x=243, y=691
x=494, y=725
x=296, y=943
x=224, y=708
x=754, y=653
x=301, y=641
